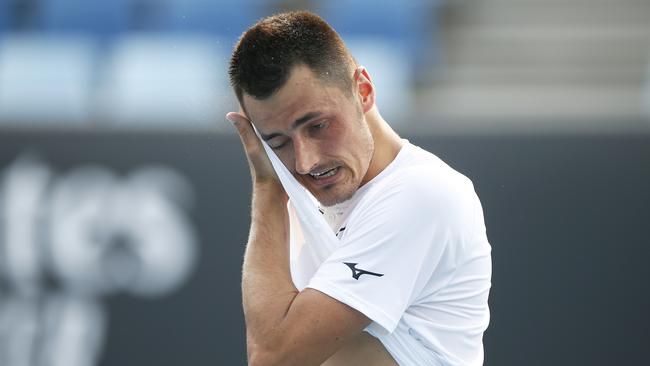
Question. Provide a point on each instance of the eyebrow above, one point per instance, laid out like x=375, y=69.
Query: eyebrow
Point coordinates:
x=300, y=121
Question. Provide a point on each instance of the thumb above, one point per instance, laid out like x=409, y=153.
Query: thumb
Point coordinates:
x=245, y=130
x=261, y=167
x=237, y=119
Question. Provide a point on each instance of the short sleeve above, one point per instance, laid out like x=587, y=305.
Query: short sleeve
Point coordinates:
x=397, y=239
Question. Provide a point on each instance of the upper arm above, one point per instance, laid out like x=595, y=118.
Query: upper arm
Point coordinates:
x=409, y=237
x=404, y=237
x=315, y=327
x=364, y=349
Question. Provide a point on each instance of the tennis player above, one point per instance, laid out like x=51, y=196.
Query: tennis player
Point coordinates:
x=408, y=282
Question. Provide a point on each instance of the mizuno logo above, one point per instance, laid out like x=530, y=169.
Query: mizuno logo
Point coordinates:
x=356, y=273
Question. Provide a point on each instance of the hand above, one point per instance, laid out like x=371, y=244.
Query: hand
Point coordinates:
x=261, y=168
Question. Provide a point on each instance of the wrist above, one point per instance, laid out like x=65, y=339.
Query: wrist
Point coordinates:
x=270, y=188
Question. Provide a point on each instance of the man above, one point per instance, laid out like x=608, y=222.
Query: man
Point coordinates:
x=408, y=283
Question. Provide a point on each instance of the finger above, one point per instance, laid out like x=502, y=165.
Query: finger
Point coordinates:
x=245, y=130
x=261, y=167
x=236, y=117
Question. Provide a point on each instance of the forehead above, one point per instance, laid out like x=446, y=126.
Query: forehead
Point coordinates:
x=302, y=93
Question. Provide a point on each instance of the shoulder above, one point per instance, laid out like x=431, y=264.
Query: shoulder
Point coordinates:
x=422, y=194
x=424, y=182
x=423, y=203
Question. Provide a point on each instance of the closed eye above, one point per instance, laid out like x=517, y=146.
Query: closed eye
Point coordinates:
x=320, y=125
x=278, y=147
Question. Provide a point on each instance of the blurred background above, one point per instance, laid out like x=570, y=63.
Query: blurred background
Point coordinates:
x=124, y=193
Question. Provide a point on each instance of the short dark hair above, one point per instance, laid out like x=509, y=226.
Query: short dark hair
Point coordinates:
x=267, y=52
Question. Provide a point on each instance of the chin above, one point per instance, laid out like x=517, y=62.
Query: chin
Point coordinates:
x=332, y=198
x=331, y=195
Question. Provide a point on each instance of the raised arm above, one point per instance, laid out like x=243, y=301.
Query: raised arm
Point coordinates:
x=283, y=326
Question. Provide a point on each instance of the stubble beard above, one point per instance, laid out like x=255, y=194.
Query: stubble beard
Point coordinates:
x=325, y=196
x=348, y=186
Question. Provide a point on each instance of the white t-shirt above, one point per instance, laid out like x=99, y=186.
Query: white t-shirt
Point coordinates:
x=418, y=229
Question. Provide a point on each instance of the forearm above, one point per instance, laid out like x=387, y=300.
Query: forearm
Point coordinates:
x=283, y=326
x=267, y=288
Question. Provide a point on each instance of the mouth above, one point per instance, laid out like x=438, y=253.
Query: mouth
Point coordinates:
x=324, y=173
x=324, y=177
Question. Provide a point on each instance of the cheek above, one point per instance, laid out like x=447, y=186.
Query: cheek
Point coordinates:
x=286, y=157
x=353, y=145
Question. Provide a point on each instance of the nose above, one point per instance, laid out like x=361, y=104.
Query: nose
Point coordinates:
x=306, y=156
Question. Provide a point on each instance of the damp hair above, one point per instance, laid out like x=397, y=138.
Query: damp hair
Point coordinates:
x=267, y=52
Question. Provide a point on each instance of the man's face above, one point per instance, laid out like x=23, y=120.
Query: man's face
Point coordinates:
x=318, y=132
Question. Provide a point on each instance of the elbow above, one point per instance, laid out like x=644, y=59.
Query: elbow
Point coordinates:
x=260, y=357
x=261, y=354
x=266, y=355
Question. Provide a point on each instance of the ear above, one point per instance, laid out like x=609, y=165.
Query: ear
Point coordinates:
x=365, y=87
